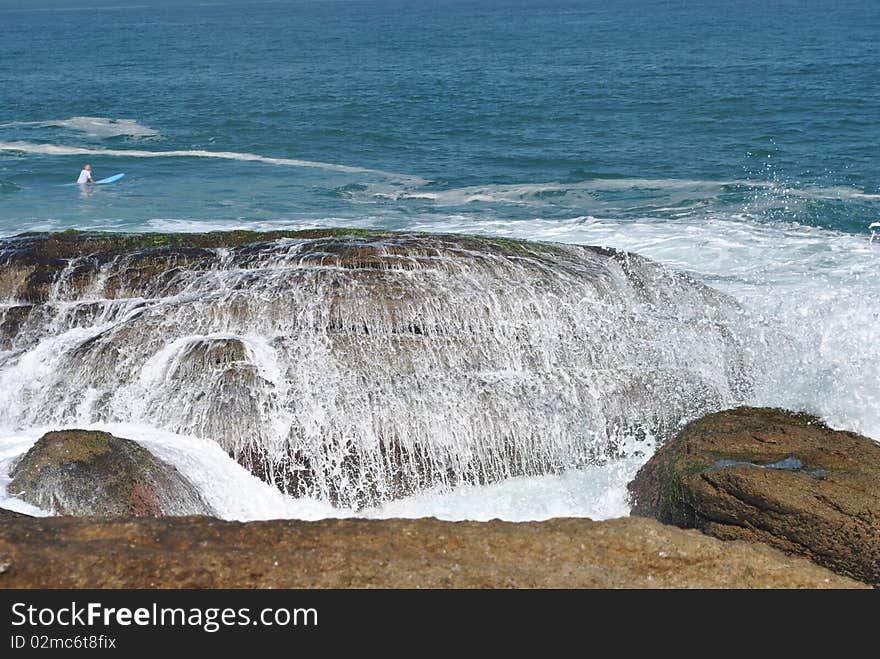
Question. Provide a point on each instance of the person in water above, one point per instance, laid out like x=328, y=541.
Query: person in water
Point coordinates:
x=85, y=176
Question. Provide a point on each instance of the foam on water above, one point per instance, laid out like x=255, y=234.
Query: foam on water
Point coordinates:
x=534, y=193
x=681, y=193
x=99, y=127
x=67, y=150
x=819, y=287
x=597, y=492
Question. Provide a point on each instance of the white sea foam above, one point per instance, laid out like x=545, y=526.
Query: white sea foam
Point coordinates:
x=597, y=492
x=184, y=225
x=65, y=150
x=696, y=192
x=820, y=287
x=546, y=192
x=675, y=194
x=101, y=127
x=834, y=192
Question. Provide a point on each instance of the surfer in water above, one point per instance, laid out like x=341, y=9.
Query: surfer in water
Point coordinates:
x=85, y=176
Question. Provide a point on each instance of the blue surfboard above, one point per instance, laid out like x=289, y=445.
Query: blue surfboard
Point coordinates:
x=110, y=179
x=103, y=181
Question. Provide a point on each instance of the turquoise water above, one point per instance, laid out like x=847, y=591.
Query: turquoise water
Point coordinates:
x=463, y=114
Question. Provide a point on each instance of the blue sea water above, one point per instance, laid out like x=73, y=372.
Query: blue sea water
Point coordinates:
x=460, y=114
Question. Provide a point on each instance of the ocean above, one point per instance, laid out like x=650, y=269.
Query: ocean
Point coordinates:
x=734, y=142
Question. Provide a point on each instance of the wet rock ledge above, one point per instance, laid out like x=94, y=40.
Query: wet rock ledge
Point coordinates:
x=200, y=552
x=771, y=476
x=239, y=337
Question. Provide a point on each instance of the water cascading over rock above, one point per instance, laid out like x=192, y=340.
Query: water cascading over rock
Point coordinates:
x=359, y=367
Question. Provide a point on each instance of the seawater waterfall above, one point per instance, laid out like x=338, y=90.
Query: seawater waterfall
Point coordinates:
x=358, y=367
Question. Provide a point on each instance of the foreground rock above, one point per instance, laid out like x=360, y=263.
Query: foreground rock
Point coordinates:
x=351, y=553
x=771, y=476
x=362, y=366
x=79, y=472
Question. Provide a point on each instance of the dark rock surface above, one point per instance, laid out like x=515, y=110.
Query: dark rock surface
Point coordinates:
x=426, y=553
x=771, y=476
x=79, y=472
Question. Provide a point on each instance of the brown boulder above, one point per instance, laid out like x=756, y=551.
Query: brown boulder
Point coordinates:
x=84, y=472
x=201, y=552
x=771, y=476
